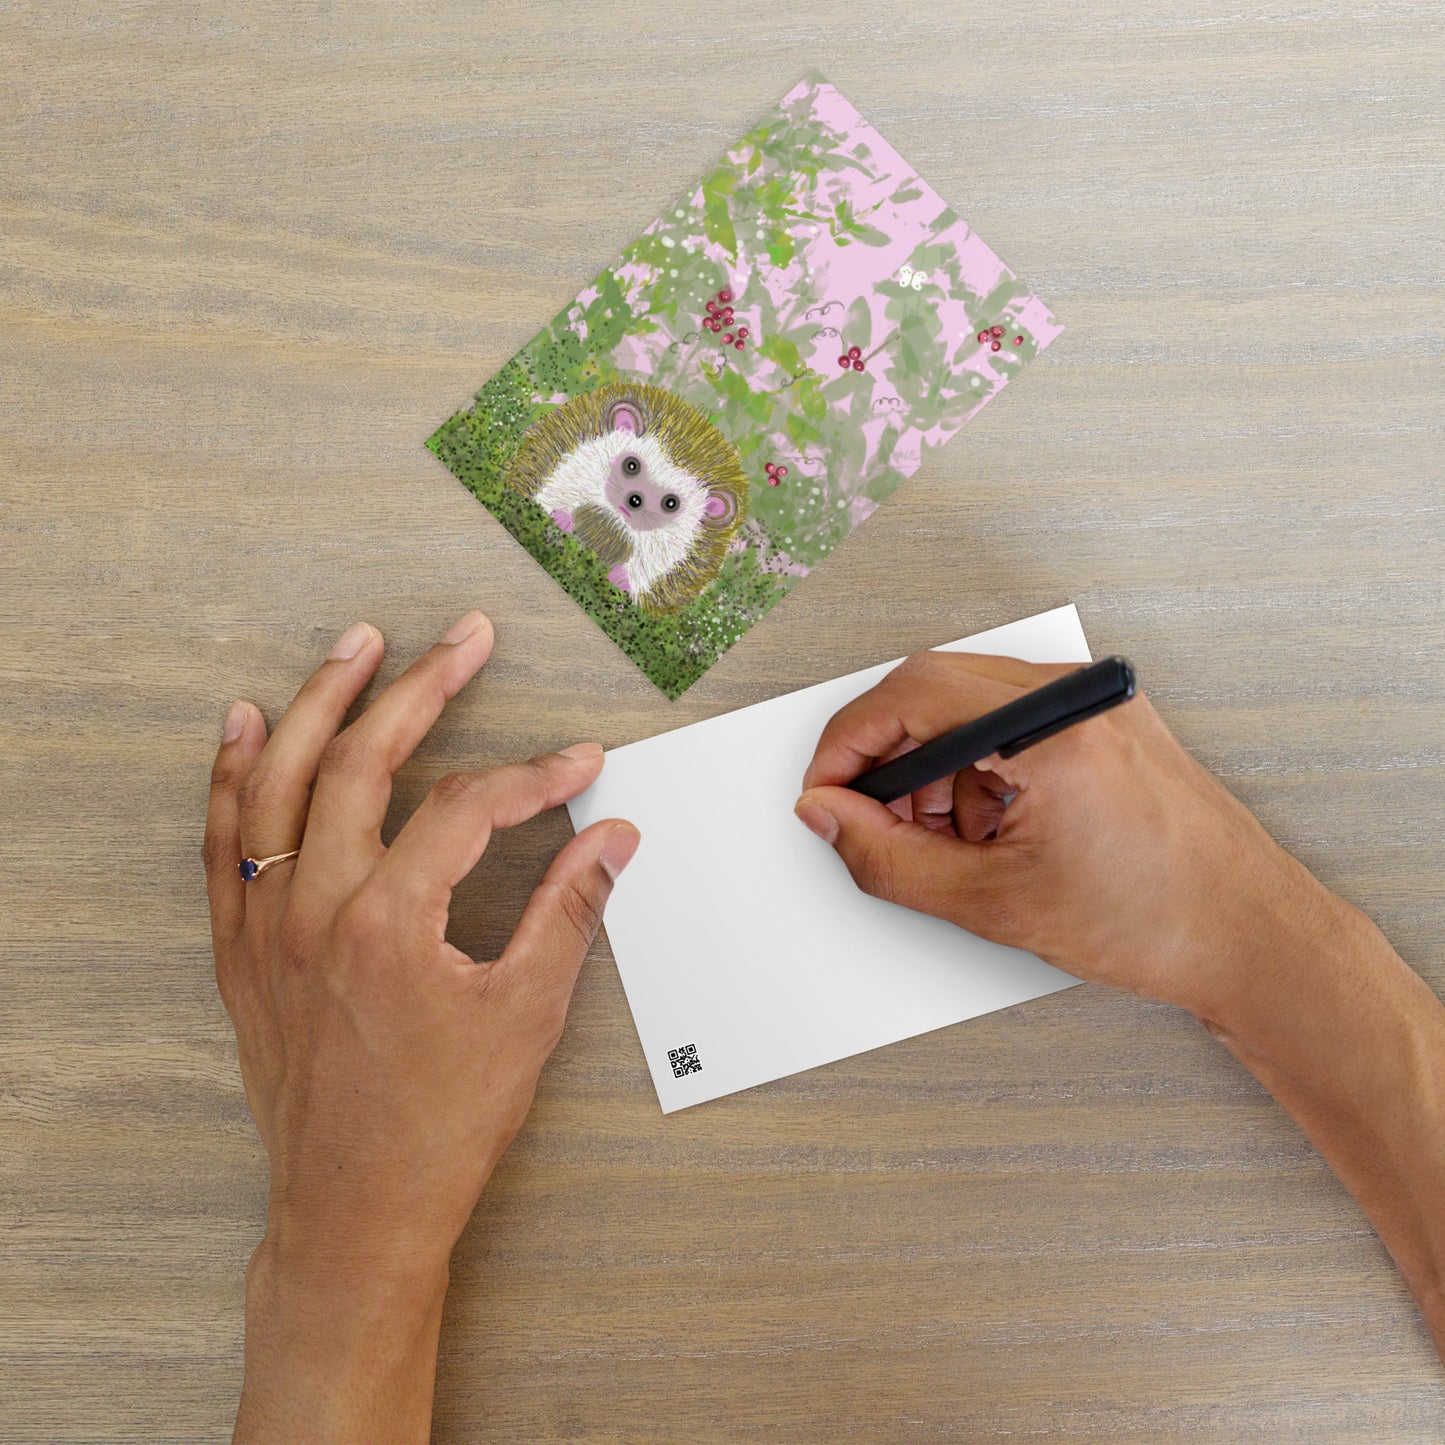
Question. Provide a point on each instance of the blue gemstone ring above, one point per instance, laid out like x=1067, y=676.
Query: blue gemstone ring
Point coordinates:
x=252, y=868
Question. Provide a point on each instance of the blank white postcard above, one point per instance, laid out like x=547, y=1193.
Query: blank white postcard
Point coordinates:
x=746, y=952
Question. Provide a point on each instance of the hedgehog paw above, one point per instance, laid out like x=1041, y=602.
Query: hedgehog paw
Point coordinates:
x=619, y=579
x=563, y=518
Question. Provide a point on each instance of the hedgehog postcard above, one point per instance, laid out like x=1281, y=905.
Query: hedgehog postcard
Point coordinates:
x=766, y=363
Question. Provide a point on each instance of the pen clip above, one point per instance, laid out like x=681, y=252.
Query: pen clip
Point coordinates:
x=1122, y=693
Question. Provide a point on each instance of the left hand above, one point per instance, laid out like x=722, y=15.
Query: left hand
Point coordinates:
x=386, y=1070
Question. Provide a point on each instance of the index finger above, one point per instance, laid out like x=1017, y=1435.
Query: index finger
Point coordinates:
x=925, y=695
x=445, y=838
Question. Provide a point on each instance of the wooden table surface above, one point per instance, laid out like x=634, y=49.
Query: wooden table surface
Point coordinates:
x=251, y=255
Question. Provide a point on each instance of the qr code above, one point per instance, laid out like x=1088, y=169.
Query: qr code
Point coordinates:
x=684, y=1061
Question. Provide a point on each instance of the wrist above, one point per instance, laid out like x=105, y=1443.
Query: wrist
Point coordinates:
x=289, y=1269
x=1351, y=1042
x=1322, y=994
x=1312, y=994
x=1282, y=936
x=313, y=1247
x=339, y=1345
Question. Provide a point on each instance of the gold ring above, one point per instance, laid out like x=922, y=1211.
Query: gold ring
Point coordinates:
x=253, y=868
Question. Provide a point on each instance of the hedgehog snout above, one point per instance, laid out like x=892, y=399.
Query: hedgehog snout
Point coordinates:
x=642, y=503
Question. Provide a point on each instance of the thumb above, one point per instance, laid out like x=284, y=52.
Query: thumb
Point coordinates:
x=563, y=915
x=902, y=862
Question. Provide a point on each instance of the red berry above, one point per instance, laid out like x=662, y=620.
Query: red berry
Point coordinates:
x=854, y=352
x=1018, y=341
x=738, y=345
x=782, y=471
x=996, y=331
x=772, y=481
x=727, y=338
x=724, y=295
x=857, y=365
x=712, y=308
x=982, y=337
x=997, y=346
x=742, y=333
x=844, y=362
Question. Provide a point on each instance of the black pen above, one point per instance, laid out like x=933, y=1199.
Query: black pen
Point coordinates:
x=1007, y=730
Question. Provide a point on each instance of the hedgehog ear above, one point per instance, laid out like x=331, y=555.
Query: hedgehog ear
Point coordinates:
x=625, y=416
x=719, y=509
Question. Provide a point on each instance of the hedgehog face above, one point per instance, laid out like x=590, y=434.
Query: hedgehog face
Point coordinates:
x=648, y=490
x=642, y=480
x=642, y=492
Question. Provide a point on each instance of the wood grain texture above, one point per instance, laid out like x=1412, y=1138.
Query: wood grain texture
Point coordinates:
x=251, y=255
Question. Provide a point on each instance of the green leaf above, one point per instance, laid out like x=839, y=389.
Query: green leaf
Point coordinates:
x=720, y=181
x=783, y=352
x=835, y=160
x=871, y=235
x=781, y=247
x=800, y=430
x=717, y=223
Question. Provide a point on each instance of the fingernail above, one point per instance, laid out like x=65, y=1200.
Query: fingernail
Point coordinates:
x=617, y=851
x=351, y=641
x=463, y=628
x=817, y=819
x=583, y=750
x=235, y=722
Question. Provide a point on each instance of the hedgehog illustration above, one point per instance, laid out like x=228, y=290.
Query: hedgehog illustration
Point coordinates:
x=643, y=480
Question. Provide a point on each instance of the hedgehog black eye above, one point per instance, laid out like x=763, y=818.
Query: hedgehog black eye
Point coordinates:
x=630, y=466
x=634, y=500
x=670, y=503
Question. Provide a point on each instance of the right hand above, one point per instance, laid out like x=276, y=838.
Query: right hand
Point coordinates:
x=1106, y=849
